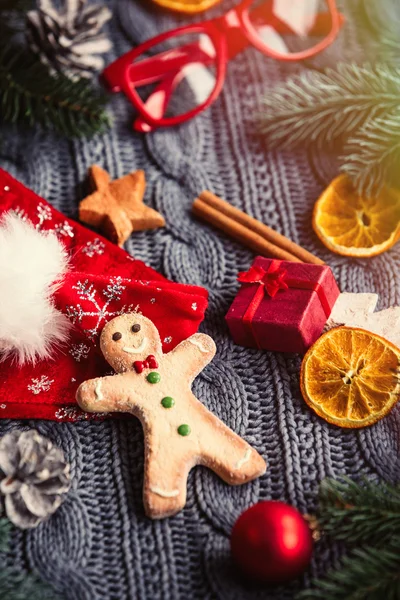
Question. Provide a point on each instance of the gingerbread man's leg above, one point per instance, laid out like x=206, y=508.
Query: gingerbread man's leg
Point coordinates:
x=165, y=481
x=227, y=454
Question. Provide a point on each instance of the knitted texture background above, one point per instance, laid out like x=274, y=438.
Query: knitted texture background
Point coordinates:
x=99, y=545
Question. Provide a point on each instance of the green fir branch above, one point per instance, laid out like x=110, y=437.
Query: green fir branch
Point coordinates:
x=359, y=513
x=381, y=21
x=366, y=574
x=15, y=585
x=372, y=156
x=320, y=108
x=30, y=95
x=368, y=514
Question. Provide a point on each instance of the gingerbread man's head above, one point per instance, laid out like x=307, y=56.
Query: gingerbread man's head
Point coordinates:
x=127, y=339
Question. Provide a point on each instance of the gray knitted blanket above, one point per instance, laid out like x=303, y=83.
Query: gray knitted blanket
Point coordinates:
x=99, y=544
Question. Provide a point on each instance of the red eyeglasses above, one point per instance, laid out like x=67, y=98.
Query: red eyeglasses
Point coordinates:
x=176, y=75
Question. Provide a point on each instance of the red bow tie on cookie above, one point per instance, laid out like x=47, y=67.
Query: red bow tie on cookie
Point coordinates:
x=103, y=281
x=149, y=363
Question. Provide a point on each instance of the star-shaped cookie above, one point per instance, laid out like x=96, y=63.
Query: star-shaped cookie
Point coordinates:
x=116, y=207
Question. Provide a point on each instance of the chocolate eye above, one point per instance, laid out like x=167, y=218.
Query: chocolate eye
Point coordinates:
x=135, y=327
x=117, y=336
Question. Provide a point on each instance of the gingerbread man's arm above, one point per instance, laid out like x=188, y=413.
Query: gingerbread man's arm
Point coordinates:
x=192, y=355
x=105, y=394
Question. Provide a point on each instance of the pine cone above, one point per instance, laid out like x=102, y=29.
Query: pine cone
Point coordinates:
x=69, y=40
x=36, y=476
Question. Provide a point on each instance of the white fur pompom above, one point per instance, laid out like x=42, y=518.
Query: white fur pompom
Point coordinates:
x=32, y=265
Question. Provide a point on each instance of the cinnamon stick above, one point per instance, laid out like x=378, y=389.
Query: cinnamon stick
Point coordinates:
x=240, y=233
x=255, y=228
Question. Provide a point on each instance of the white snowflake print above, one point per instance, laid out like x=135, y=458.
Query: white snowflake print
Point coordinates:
x=64, y=229
x=194, y=306
x=168, y=340
x=93, y=248
x=152, y=300
x=3, y=406
x=44, y=213
x=79, y=352
x=70, y=412
x=114, y=289
x=40, y=385
x=87, y=291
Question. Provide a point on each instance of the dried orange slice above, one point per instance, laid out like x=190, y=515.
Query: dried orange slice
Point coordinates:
x=350, y=377
x=352, y=225
x=187, y=6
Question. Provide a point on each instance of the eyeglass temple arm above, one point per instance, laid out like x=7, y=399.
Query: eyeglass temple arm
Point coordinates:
x=156, y=67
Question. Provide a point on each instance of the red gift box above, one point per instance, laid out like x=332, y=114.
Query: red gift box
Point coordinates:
x=282, y=306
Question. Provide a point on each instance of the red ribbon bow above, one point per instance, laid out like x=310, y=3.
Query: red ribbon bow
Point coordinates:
x=272, y=280
x=269, y=282
x=149, y=363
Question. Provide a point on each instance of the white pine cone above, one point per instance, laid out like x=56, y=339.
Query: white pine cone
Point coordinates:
x=69, y=40
x=36, y=476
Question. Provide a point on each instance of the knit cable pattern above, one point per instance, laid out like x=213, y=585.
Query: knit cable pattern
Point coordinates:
x=99, y=544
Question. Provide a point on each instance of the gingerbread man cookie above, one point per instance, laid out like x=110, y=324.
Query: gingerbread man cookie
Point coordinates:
x=179, y=431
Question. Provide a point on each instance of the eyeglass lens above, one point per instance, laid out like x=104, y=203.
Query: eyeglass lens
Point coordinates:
x=180, y=80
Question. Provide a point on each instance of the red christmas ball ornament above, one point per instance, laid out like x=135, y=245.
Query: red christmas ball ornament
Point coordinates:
x=271, y=542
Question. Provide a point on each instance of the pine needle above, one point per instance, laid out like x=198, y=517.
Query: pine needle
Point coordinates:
x=30, y=95
x=382, y=22
x=363, y=513
x=372, y=156
x=15, y=585
x=320, y=108
x=366, y=574
x=359, y=513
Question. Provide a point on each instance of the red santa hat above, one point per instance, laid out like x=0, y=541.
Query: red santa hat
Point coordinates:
x=60, y=283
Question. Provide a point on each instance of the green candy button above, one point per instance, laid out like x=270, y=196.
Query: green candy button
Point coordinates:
x=153, y=377
x=168, y=402
x=184, y=429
